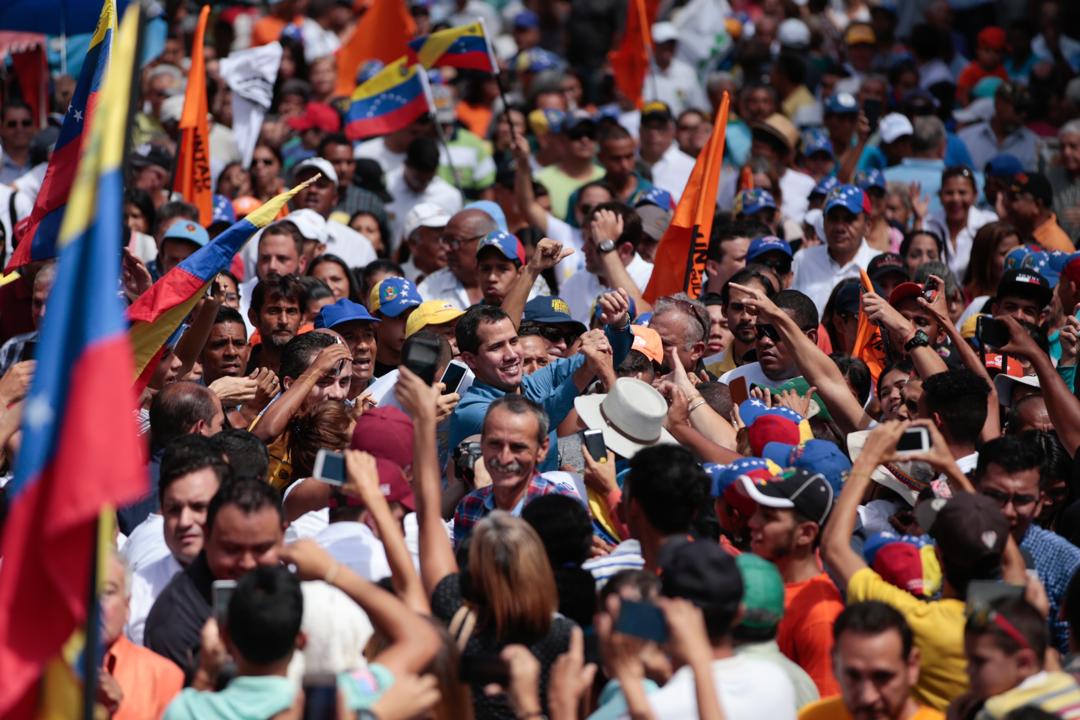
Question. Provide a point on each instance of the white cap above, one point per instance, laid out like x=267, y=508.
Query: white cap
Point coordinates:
x=321, y=164
x=311, y=224
x=425, y=215
x=172, y=108
x=663, y=32
x=894, y=126
x=1004, y=385
x=978, y=111
x=793, y=33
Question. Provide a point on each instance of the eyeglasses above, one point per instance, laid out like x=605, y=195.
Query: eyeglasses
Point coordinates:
x=262, y=161
x=782, y=267
x=765, y=330
x=1018, y=500
x=454, y=243
x=19, y=123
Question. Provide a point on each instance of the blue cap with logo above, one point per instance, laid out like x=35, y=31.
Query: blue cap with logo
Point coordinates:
x=537, y=60
x=870, y=179
x=842, y=103
x=753, y=201
x=344, y=310
x=724, y=476
x=1048, y=264
x=824, y=185
x=816, y=140
x=393, y=296
x=815, y=456
x=550, y=310
x=223, y=211
x=750, y=410
x=508, y=245
x=768, y=243
x=189, y=231
x=656, y=196
x=526, y=20
x=848, y=197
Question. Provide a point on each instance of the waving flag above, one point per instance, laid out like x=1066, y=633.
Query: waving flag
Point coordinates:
x=80, y=449
x=630, y=61
x=36, y=234
x=465, y=47
x=159, y=311
x=869, y=345
x=192, y=178
x=680, y=257
x=391, y=100
x=382, y=33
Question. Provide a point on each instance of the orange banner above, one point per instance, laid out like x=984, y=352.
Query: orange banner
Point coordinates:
x=869, y=346
x=192, y=179
x=680, y=257
x=630, y=61
x=383, y=33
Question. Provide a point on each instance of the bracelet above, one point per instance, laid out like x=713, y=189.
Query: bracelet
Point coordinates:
x=695, y=405
x=332, y=573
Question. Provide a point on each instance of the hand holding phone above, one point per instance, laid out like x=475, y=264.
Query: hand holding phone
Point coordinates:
x=329, y=467
x=221, y=591
x=916, y=439
x=643, y=620
x=452, y=376
x=593, y=440
x=931, y=288
x=992, y=332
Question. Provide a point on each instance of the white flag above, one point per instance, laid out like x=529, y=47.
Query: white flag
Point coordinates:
x=251, y=74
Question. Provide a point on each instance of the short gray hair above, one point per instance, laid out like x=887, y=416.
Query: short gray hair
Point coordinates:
x=1072, y=127
x=521, y=405
x=697, y=317
x=929, y=134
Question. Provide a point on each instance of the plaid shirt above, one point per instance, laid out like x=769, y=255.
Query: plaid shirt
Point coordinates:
x=475, y=506
x=1055, y=561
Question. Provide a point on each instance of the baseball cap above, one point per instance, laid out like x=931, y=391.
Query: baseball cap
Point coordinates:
x=703, y=573
x=848, y=197
x=1015, y=259
x=431, y=312
x=766, y=244
x=1025, y=283
x=824, y=185
x=550, y=310
x=1004, y=165
x=526, y=20
x=815, y=141
x=385, y=432
x=905, y=561
x=311, y=224
x=841, y=103
x=537, y=60
x=894, y=126
x=663, y=32
x=316, y=115
x=425, y=215
x=723, y=476
x=753, y=201
x=656, y=110
x=507, y=244
x=810, y=494
x=772, y=428
x=904, y=291
x=392, y=484
x=1034, y=184
x=860, y=34
x=872, y=178
x=492, y=210
x=793, y=33
x=646, y=341
x=848, y=298
x=308, y=168
x=885, y=264
x=659, y=197
x=572, y=120
x=223, y=211
x=1005, y=383
x=991, y=38
x=814, y=456
x=393, y=296
x=342, y=311
x=1050, y=264
x=967, y=525
x=763, y=592
x=546, y=120
x=654, y=220
x=187, y=230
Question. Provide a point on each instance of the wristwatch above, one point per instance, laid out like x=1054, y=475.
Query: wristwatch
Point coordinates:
x=919, y=339
x=605, y=246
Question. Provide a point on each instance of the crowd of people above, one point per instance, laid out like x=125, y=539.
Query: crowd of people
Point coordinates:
x=840, y=483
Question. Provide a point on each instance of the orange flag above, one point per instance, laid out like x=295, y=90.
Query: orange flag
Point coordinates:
x=383, y=33
x=630, y=61
x=680, y=257
x=192, y=179
x=869, y=346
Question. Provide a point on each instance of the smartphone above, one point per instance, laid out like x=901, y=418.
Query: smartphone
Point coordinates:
x=421, y=356
x=329, y=467
x=931, y=288
x=991, y=331
x=914, y=440
x=981, y=594
x=872, y=109
x=220, y=593
x=29, y=349
x=483, y=670
x=320, y=696
x=643, y=620
x=453, y=376
x=594, y=443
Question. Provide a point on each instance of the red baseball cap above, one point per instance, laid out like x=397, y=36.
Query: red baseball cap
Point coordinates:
x=392, y=484
x=316, y=115
x=385, y=432
x=991, y=38
x=904, y=291
x=772, y=428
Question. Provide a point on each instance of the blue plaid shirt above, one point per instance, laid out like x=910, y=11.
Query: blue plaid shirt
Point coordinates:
x=478, y=504
x=1055, y=561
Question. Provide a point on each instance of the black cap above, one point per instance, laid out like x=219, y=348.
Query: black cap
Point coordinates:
x=701, y=572
x=149, y=154
x=968, y=525
x=1034, y=184
x=809, y=494
x=1022, y=282
x=885, y=263
x=656, y=110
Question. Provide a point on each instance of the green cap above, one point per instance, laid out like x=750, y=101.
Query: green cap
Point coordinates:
x=763, y=592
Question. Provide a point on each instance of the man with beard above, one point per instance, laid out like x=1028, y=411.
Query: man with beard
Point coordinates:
x=322, y=196
x=279, y=252
x=275, y=313
x=357, y=328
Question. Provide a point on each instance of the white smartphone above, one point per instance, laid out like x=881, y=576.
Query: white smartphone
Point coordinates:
x=220, y=593
x=453, y=375
x=915, y=439
x=329, y=467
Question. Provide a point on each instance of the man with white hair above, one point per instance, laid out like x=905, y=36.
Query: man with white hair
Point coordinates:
x=1064, y=178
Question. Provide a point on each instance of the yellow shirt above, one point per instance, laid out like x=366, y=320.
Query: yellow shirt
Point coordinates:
x=833, y=709
x=938, y=628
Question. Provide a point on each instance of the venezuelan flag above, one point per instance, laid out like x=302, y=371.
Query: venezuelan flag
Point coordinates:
x=159, y=311
x=465, y=47
x=80, y=449
x=36, y=234
x=391, y=100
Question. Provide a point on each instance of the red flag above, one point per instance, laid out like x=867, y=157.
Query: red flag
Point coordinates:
x=869, y=346
x=192, y=178
x=33, y=74
x=630, y=61
x=383, y=33
x=680, y=257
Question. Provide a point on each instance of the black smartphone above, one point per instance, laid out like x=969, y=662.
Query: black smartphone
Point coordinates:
x=221, y=591
x=452, y=376
x=930, y=289
x=991, y=331
x=594, y=443
x=643, y=620
x=915, y=439
x=29, y=349
x=872, y=110
x=483, y=670
x=421, y=356
x=320, y=696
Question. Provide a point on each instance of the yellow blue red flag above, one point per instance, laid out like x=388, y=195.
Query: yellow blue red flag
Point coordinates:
x=465, y=46
x=389, y=101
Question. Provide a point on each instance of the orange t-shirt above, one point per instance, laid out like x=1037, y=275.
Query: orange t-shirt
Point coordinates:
x=1052, y=237
x=805, y=633
x=833, y=709
x=972, y=73
x=476, y=118
x=148, y=680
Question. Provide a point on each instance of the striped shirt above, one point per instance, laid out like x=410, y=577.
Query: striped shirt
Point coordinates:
x=1055, y=692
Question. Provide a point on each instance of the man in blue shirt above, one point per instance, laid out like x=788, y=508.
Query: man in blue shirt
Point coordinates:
x=488, y=342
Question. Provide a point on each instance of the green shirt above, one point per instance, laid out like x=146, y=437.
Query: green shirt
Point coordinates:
x=561, y=186
x=472, y=161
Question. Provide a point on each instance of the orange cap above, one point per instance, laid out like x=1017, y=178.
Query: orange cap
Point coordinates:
x=647, y=342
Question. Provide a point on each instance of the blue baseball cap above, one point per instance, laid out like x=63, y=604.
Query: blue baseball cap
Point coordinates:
x=1016, y=257
x=187, y=230
x=223, y=211
x=752, y=409
x=1004, y=166
x=842, y=103
x=656, y=196
x=872, y=178
x=848, y=197
x=1048, y=264
x=526, y=20
x=537, y=60
x=393, y=296
x=815, y=141
x=753, y=201
x=722, y=477
x=344, y=310
x=507, y=244
x=814, y=456
x=550, y=310
x=767, y=243
x=825, y=185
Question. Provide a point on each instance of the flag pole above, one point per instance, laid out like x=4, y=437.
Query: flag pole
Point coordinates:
x=422, y=74
x=92, y=645
x=646, y=30
x=498, y=78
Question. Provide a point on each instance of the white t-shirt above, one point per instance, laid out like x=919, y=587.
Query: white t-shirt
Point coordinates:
x=146, y=584
x=672, y=171
x=438, y=191
x=581, y=291
x=816, y=273
x=146, y=543
x=354, y=545
x=748, y=689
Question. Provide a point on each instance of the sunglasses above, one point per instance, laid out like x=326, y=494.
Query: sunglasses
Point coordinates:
x=581, y=134
x=782, y=267
x=765, y=330
x=19, y=123
x=553, y=333
x=262, y=161
x=1018, y=500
